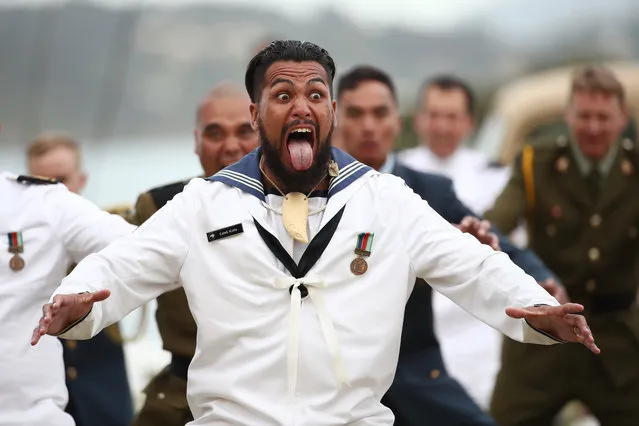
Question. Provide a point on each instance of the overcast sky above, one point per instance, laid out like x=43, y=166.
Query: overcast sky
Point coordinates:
x=424, y=14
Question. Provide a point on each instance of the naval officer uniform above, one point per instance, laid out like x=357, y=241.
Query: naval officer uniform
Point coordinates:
x=44, y=228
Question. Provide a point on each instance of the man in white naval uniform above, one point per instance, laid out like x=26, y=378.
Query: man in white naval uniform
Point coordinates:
x=292, y=332
x=444, y=120
x=44, y=228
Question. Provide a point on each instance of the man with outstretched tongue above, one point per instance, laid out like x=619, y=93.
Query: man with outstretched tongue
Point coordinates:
x=297, y=262
x=301, y=153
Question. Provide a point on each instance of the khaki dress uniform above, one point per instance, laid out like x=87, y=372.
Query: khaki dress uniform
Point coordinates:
x=583, y=222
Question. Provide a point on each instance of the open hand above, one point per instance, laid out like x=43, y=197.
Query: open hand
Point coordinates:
x=65, y=310
x=479, y=229
x=561, y=322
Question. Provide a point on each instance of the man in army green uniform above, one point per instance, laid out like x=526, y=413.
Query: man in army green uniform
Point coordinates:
x=223, y=135
x=578, y=194
x=96, y=376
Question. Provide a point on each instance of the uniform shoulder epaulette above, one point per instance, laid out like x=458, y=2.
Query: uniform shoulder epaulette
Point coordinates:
x=163, y=194
x=495, y=164
x=550, y=147
x=36, y=180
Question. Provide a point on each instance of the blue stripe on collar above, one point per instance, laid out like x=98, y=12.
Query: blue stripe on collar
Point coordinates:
x=246, y=175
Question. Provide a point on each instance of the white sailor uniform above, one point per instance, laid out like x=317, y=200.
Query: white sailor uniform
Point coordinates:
x=47, y=228
x=267, y=355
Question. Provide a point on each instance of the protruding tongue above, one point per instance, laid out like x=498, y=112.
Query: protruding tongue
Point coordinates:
x=301, y=153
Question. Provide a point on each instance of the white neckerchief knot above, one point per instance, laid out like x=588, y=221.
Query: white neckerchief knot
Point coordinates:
x=312, y=284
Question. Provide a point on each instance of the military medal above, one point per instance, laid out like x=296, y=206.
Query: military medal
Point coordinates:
x=363, y=248
x=16, y=246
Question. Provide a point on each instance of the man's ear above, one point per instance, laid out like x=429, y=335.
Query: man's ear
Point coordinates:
x=253, y=109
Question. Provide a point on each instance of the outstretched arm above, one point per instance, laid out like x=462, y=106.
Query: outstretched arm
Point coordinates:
x=484, y=282
x=125, y=275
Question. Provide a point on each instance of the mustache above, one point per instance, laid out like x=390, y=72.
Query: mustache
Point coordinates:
x=294, y=123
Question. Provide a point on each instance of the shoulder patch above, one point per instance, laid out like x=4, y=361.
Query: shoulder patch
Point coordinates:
x=164, y=194
x=36, y=180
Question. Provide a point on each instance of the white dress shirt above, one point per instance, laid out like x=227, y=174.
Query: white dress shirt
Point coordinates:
x=57, y=228
x=476, y=184
x=265, y=357
x=462, y=337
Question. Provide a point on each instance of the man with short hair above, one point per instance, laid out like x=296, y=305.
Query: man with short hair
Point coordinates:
x=443, y=122
x=222, y=135
x=57, y=155
x=297, y=262
x=578, y=196
x=96, y=376
x=422, y=392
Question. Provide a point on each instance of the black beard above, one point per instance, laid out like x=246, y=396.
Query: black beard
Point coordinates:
x=294, y=181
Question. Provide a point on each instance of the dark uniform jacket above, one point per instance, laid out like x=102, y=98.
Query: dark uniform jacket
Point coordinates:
x=422, y=393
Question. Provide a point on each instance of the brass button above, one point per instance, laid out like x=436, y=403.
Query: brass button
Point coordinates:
x=551, y=230
x=593, y=254
x=595, y=220
x=434, y=374
x=627, y=144
x=72, y=373
x=161, y=395
x=71, y=344
x=632, y=232
x=590, y=286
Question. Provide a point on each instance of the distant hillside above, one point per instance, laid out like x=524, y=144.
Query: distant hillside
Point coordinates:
x=101, y=73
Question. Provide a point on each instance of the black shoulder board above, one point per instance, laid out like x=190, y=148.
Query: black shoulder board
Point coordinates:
x=495, y=165
x=36, y=180
x=164, y=194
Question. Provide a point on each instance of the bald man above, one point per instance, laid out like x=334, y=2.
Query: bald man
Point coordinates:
x=223, y=134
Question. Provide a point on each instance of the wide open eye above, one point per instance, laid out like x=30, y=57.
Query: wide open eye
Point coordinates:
x=283, y=97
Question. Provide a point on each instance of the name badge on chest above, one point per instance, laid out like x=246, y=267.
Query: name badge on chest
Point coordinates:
x=221, y=233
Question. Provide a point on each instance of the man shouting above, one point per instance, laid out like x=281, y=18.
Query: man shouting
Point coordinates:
x=297, y=262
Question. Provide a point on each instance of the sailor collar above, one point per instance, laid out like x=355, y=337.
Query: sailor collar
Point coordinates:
x=246, y=175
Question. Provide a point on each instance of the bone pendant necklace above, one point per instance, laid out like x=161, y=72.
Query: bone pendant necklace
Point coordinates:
x=294, y=210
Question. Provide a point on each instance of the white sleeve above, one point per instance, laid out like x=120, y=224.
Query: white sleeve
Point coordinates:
x=82, y=227
x=480, y=280
x=136, y=268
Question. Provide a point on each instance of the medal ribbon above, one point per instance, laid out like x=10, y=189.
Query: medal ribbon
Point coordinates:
x=364, y=245
x=15, y=242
